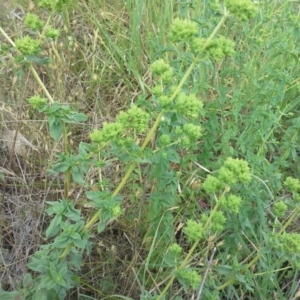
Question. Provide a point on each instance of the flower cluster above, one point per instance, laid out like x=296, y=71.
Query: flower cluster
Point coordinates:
x=188, y=105
x=218, y=221
x=37, y=102
x=189, y=277
x=279, y=209
x=233, y=171
x=293, y=185
x=194, y=231
x=33, y=21
x=160, y=67
x=51, y=33
x=116, y=210
x=289, y=242
x=176, y=250
x=164, y=101
x=183, y=30
x=191, y=133
x=56, y=5
x=111, y=132
x=215, y=49
x=212, y=184
x=28, y=46
x=242, y=9
x=164, y=140
x=231, y=202
x=135, y=118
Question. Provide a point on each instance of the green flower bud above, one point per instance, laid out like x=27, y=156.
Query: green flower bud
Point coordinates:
x=216, y=49
x=157, y=90
x=188, y=105
x=212, y=185
x=135, y=118
x=236, y=170
x=194, y=231
x=167, y=76
x=164, y=140
x=279, y=209
x=242, y=9
x=28, y=46
x=192, y=131
x=189, y=277
x=33, y=21
x=164, y=101
x=218, y=221
x=111, y=132
x=37, y=102
x=231, y=202
x=160, y=67
x=51, y=33
x=183, y=30
x=175, y=249
x=116, y=211
x=56, y=5
x=290, y=242
x=292, y=184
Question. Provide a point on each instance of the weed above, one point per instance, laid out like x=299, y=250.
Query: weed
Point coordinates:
x=191, y=234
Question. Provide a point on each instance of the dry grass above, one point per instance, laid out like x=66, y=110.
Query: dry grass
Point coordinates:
x=86, y=74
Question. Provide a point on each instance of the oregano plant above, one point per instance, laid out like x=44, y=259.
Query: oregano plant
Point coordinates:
x=157, y=141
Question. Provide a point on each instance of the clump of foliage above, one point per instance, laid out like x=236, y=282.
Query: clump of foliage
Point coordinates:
x=159, y=142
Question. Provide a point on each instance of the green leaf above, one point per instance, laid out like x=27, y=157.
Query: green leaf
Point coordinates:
x=76, y=259
x=61, y=167
x=54, y=227
x=79, y=117
x=224, y=270
x=101, y=226
x=75, y=236
x=10, y=295
x=56, y=130
x=61, y=242
x=78, y=176
x=37, y=60
x=44, y=294
x=80, y=243
x=51, y=118
x=27, y=280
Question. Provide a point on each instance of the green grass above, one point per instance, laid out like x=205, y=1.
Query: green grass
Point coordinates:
x=100, y=65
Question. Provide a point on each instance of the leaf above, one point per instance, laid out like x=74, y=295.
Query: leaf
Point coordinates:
x=79, y=117
x=101, y=226
x=10, y=295
x=27, y=280
x=75, y=236
x=43, y=294
x=61, y=242
x=84, y=148
x=54, y=227
x=61, y=167
x=37, y=60
x=80, y=243
x=56, y=130
x=224, y=270
x=76, y=259
x=78, y=176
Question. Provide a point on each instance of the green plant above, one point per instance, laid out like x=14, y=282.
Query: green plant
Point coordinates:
x=168, y=126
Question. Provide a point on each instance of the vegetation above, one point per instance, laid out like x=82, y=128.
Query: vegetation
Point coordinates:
x=161, y=151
